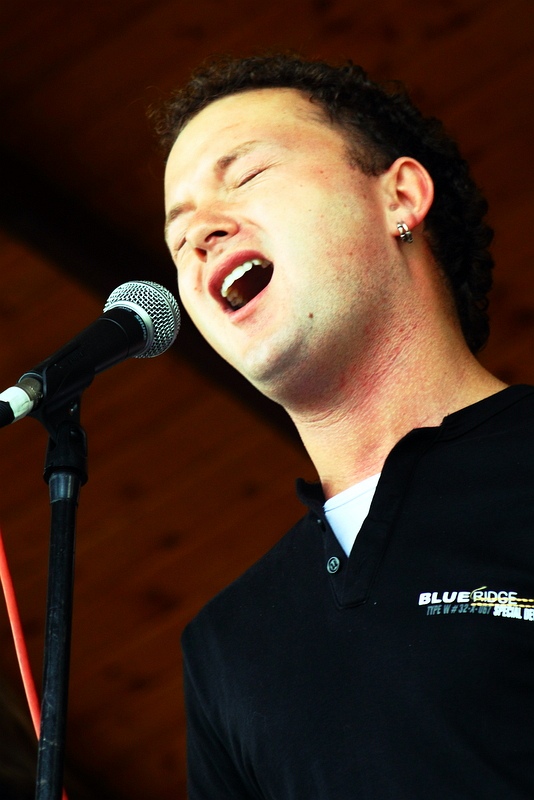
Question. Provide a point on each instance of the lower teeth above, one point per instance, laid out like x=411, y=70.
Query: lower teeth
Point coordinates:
x=236, y=300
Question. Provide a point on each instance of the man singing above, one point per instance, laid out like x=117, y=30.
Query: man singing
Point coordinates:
x=330, y=245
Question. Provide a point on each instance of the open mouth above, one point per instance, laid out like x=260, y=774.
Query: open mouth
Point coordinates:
x=245, y=282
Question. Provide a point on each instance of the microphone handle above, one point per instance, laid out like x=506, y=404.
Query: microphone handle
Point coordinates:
x=113, y=337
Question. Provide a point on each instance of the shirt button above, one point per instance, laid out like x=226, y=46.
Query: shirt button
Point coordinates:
x=333, y=564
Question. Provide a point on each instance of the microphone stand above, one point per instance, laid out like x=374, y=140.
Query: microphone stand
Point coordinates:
x=65, y=472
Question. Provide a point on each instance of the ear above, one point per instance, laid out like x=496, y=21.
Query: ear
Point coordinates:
x=409, y=193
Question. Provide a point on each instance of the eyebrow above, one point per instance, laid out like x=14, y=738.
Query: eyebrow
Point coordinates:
x=221, y=165
x=225, y=161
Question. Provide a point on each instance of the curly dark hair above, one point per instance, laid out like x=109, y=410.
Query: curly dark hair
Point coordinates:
x=381, y=124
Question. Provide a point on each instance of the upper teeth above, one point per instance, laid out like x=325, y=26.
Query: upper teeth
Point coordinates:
x=239, y=271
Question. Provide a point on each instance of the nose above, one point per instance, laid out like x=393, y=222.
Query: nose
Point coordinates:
x=206, y=230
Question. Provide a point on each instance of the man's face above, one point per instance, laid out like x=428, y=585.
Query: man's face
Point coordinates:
x=281, y=246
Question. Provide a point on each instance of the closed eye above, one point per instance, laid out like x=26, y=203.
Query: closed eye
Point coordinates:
x=178, y=247
x=249, y=176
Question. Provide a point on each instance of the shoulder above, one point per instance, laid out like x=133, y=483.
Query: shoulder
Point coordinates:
x=259, y=591
x=504, y=420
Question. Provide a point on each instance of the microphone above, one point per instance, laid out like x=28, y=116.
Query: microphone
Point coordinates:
x=140, y=319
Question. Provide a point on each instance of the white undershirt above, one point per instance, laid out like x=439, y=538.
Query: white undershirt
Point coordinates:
x=347, y=510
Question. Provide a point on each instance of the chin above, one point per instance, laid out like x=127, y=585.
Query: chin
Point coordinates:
x=278, y=380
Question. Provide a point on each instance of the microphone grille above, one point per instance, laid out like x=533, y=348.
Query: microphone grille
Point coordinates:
x=158, y=309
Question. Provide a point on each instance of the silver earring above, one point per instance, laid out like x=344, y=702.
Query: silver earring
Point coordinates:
x=404, y=233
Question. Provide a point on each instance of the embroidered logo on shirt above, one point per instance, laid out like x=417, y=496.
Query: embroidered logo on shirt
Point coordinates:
x=498, y=603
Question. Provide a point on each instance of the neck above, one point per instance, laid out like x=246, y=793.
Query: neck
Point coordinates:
x=349, y=436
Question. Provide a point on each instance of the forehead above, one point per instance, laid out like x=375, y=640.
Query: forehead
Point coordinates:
x=275, y=113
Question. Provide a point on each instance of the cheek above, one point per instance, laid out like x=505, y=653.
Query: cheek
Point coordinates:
x=189, y=294
x=189, y=273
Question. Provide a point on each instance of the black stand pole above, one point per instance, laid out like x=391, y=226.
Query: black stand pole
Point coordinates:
x=65, y=472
